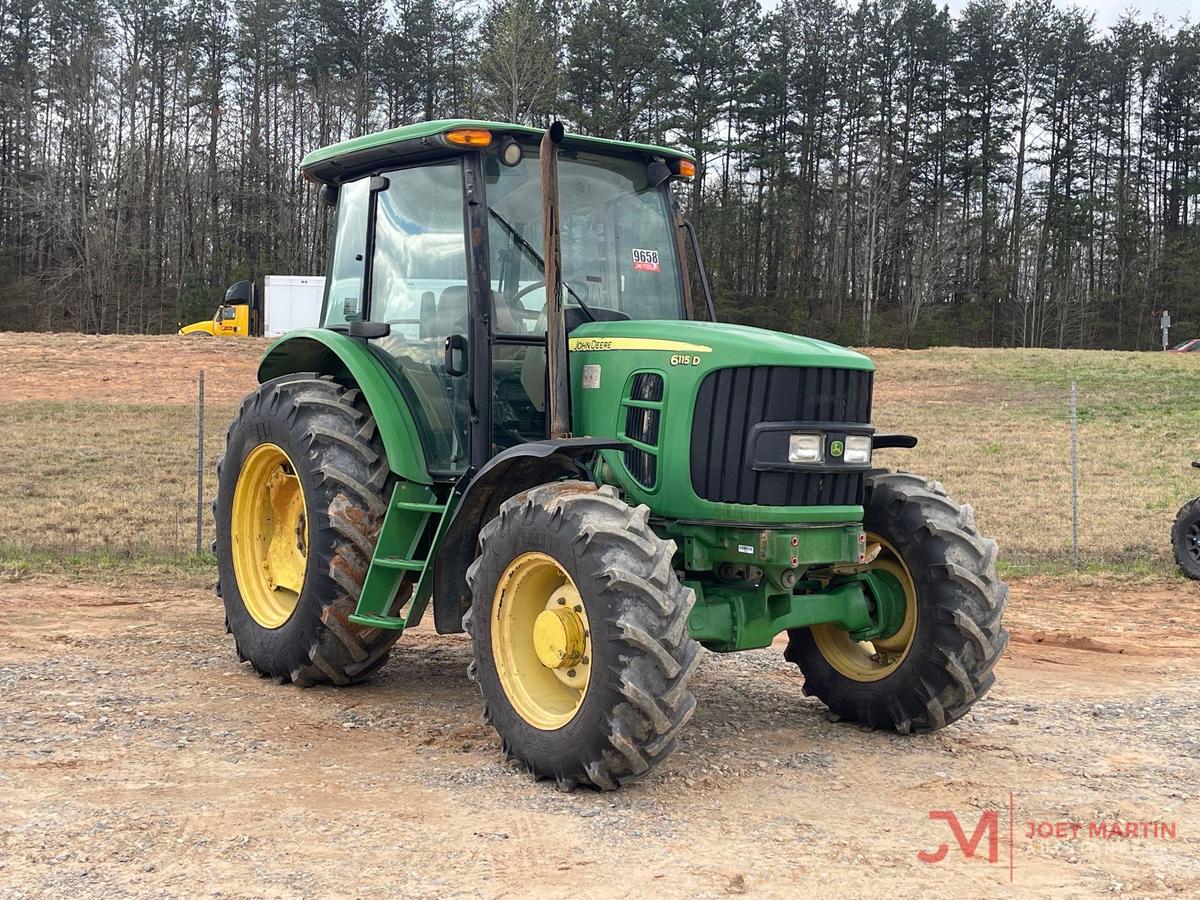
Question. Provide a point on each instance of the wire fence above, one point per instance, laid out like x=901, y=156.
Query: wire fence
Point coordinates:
x=84, y=478
x=1062, y=474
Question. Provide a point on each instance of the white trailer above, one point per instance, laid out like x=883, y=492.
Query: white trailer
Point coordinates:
x=290, y=302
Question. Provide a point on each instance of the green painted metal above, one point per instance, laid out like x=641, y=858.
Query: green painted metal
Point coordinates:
x=683, y=353
x=405, y=524
x=889, y=605
x=408, y=565
x=332, y=353
x=775, y=550
x=733, y=614
x=727, y=618
x=424, y=588
x=323, y=164
x=782, y=542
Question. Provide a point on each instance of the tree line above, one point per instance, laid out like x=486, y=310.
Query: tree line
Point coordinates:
x=874, y=172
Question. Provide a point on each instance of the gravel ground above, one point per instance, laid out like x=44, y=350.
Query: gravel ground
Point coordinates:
x=137, y=757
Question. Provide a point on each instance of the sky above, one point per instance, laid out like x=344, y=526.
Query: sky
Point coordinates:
x=1108, y=11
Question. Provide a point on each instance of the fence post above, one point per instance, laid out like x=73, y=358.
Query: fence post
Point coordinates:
x=1074, y=477
x=200, y=467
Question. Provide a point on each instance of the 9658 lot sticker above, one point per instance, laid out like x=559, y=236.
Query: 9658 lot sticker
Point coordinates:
x=645, y=260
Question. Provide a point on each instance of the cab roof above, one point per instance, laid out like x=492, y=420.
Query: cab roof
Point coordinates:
x=346, y=160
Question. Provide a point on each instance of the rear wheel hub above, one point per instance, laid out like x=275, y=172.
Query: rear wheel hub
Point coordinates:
x=269, y=533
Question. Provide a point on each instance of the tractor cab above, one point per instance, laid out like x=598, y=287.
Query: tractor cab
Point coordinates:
x=442, y=256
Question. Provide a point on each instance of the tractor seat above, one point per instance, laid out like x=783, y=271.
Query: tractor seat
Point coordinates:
x=452, y=311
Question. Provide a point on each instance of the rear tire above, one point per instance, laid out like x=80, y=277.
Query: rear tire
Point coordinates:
x=957, y=637
x=1185, y=539
x=329, y=438
x=641, y=656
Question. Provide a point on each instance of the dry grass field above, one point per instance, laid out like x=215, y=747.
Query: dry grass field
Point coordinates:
x=100, y=435
x=99, y=438
x=995, y=429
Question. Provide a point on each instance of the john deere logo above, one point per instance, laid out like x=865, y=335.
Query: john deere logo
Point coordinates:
x=835, y=448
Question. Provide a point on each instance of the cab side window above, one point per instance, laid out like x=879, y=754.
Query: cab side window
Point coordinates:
x=419, y=272
x=343, y=286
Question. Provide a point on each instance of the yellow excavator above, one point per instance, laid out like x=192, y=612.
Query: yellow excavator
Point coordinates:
x=239, y=314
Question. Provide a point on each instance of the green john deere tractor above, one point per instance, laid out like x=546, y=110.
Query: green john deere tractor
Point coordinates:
x=515, y=411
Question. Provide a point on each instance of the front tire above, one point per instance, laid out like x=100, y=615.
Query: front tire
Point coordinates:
x=300, y=501
x=1185, y=539
x=580, y=634
x=939, y=663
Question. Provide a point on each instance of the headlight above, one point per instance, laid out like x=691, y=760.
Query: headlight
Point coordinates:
x=805, y=448
x=858, y=449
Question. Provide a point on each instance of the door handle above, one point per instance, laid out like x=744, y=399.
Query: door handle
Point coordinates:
x=456, y=355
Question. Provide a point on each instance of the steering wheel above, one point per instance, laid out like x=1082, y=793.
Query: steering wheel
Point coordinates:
x=529, y=289
x=516, y=309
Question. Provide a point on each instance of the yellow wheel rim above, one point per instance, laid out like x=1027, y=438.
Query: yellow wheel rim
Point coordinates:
x=541, y=641
x=873, y=660
x=269, y=533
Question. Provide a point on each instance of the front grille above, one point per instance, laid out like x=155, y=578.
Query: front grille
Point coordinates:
x=732, y=401
x=641, y=424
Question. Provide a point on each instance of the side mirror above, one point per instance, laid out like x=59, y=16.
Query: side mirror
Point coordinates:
x=240, y=292
x=329, y=194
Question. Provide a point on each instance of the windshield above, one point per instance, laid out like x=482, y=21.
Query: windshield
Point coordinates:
x=618, y=242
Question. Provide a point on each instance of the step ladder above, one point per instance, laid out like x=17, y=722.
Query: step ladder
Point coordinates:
x=394, y=563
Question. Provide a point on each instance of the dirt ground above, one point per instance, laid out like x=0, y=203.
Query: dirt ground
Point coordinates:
x=137, y=756
x=126, y=368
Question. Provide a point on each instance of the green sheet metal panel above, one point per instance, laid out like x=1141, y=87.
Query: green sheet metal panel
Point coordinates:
x=337, y=161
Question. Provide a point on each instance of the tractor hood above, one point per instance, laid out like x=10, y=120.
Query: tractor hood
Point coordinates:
x=706, y=411
x=714, y=344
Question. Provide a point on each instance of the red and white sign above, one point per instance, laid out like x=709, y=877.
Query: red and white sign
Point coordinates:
x=645, y=260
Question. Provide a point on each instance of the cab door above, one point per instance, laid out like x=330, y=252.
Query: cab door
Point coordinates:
x=400, y=258
x=516, y=301
x=223, y=321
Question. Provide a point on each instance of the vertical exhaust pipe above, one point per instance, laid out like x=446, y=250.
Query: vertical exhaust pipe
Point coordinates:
x=557, y=368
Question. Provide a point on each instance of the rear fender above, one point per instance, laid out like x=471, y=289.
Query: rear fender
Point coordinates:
x=517, y=469
x=331, y=353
